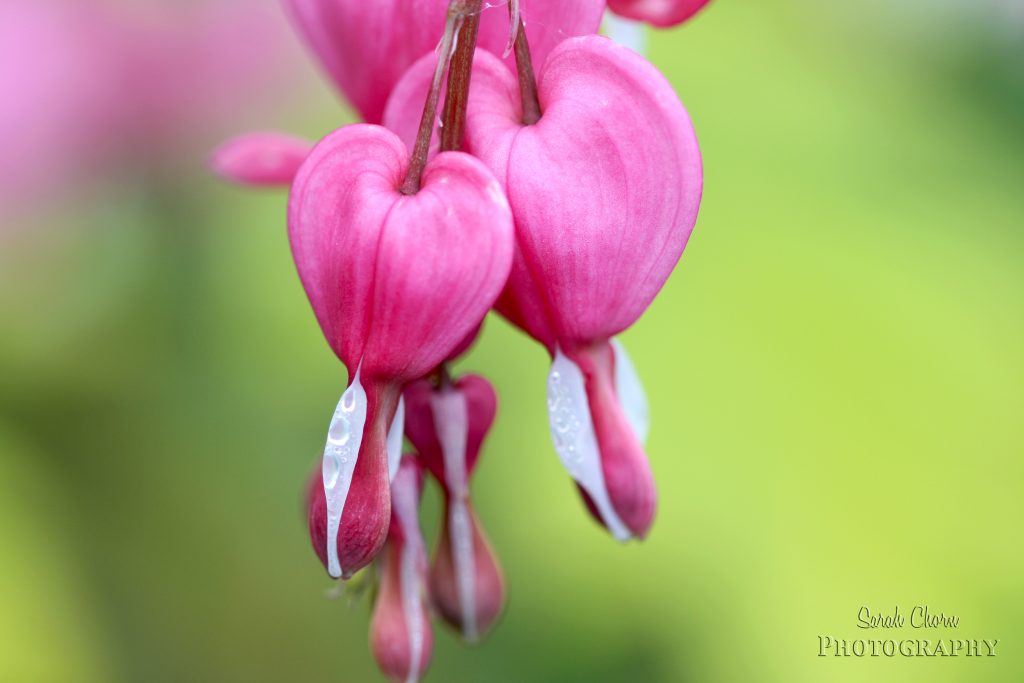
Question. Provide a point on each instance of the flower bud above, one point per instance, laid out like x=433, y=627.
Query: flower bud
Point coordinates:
x=661, y=13
x=397, y=282
x=448, y=427
x=400, y=634
x=367, y=46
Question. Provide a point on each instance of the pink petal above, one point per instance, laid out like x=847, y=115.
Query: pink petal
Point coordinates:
x=396, y=281
x=367, y=46
x=605, y=187
x=261, y=159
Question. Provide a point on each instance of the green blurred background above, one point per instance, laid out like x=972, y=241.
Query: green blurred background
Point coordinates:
x=836, y=376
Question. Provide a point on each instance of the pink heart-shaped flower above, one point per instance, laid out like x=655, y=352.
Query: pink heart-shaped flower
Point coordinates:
x=605, y=189
x=397, y=282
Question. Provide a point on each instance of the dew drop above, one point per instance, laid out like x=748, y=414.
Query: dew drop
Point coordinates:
x=332, y=469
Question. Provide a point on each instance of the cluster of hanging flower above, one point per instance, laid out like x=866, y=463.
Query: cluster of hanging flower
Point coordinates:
x=561, y=199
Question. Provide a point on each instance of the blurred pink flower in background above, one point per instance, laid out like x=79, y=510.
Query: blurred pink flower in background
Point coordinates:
x=90, y=85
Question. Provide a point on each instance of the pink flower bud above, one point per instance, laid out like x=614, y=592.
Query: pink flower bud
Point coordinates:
x=448, y=427
x=605, y=190
x=661, y=13
x=366, y=46
x=400, y=634
x=397, y=282
x=261, y=159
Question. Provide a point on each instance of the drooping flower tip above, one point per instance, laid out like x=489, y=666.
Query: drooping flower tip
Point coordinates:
x=349, y=498
x=400, y=634
x=466, y=583
x=363, y=527
x=598, y=437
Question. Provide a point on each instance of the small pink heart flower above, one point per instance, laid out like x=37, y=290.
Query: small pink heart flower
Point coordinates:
x=448, y=426
x=397, y=282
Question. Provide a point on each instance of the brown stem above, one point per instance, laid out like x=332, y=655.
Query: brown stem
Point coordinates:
x=527, y=79
x=421, y=149
x=453, y=119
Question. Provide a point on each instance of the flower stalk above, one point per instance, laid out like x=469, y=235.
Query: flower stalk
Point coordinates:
x=524, y=70
x=421, y=151
x=459, y=75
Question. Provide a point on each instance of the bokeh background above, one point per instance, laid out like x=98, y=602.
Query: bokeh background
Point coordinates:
x=836, y=369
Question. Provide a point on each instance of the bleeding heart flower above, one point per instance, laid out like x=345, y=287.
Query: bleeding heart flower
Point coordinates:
x=661, y=13
x=261, y=159
x=448, y=426
x=367, y=46
x=400, y=634
x=605, y=189
x=397, y=282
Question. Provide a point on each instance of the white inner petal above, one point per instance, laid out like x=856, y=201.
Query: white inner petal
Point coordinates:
x=344, y=437
x=572, y=430
x=395, y=435
x=451, y=422
x=630, y=391
x=626, y=32
x=405, y=502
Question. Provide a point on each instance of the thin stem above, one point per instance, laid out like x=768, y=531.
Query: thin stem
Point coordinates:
x=524, y=67
x=445, y=381
x=457, y=98
x=421, y=150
